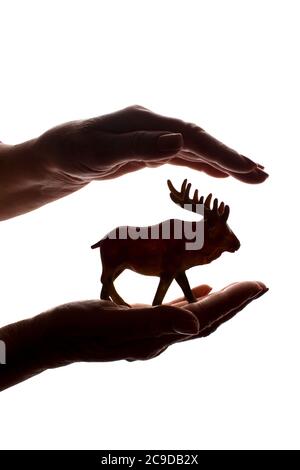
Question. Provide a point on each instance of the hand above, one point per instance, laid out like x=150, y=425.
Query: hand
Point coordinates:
x=69, y=156
x=103, y=331
x=133, y=138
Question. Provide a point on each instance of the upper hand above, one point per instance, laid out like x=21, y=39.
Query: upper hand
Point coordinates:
x=112, y=145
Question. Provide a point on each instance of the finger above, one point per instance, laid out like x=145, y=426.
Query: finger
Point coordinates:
x=198, y=166
x=128, y=167
x=198, y=292
x=256, y=176
x=214, y=151
x=184, y=302
x=191, y=160
x=143, y=145
x=195, y=139
x=210, y=329
x=200, y=142
x=213, y=325
x=213, y=307
x=253, y=177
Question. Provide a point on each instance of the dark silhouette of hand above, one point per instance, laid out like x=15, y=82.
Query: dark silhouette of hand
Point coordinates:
x=66, y=158
x=133, y=138
x=104, y=331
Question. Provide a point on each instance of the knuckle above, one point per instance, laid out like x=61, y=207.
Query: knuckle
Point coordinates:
x=137, y=107
x=193, y=128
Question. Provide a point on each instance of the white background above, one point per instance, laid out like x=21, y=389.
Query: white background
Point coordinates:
x=232, y=67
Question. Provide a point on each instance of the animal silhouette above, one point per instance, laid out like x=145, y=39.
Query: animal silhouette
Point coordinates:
x=167, y=249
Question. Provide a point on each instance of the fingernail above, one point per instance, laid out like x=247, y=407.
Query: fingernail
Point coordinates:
x=262, y=289
x=188, y=324
x=262, y=172
x=265, y=290
x=258, y=175
x=167, y=142
x=262, y=285
x=249, y=162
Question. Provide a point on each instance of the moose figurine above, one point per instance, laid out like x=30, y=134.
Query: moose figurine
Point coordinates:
x=165, y=250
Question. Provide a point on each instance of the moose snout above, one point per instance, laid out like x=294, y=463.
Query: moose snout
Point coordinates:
x=234, y=245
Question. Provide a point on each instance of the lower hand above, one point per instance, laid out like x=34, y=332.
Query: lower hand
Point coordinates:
x=104, y=331
x=94, y=331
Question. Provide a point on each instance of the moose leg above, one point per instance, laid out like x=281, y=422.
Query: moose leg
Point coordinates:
x=115, y=296
x=108, y=289
x=107, y=278
x=104, y=293
x=183, y=282
x=164, y=284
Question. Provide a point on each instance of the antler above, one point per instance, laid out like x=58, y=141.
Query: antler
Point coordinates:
x=182, y=198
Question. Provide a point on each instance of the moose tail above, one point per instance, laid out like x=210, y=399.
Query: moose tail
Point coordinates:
x=96, y=245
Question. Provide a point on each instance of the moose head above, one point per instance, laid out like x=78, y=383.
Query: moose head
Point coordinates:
x=218, y=237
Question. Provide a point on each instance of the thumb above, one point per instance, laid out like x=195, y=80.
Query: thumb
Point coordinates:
x=151, y=322
x=160, y=320
x=145, y=145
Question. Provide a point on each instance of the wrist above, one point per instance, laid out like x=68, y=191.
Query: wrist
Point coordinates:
x=28, y=181
x=24, y=163
x=28, y=348
x=23, y=354
x=23, y=180
x=36, y=168
x=59, y=148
